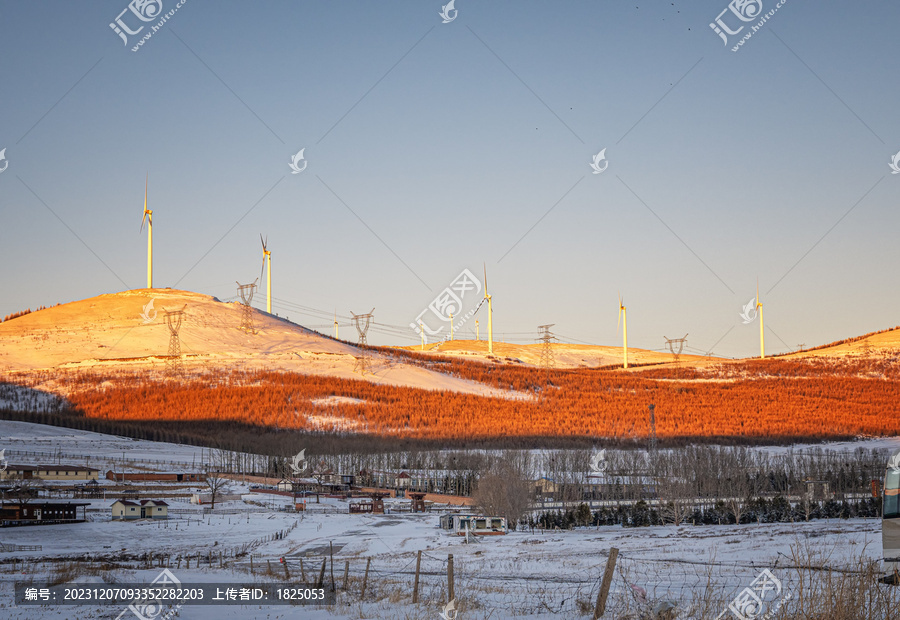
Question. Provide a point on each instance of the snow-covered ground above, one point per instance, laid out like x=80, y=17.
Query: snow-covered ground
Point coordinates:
x=127, y=331
x=522, y=574
x=552, y=574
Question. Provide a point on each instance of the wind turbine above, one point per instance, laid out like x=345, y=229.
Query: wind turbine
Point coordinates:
x=623, y=317
x=267, y=261
x=487, y=296
x=335, y=325
x=762, y=338
x=148, y=217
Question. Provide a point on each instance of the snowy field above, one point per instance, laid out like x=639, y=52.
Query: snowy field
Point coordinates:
x=550, y=574
x=523, y=574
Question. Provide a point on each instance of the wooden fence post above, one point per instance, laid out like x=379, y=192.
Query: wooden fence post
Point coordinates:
x=346, y=573
x=365, y=579
x=287, y=575
x=600, y=609
x=331, y=553
x=450, y=594
x=321, y=581
x=416, y=583
x=302, y=572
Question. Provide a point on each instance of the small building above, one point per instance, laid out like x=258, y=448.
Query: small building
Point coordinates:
x=49, y=472
x=155, y=476
x=127, y=510
x=35, y=513
x=418, y=502
x=88, y=489
x=461, y=524
x=373, y=506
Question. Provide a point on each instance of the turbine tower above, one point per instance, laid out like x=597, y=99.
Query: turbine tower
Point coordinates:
x=335, y=325
x=267, y=262
x=148, y=217
x=623, y=317
x=762, y=337
x=490, y=304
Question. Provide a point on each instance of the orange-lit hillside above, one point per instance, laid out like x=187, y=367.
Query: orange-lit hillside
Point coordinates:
x=771, y=400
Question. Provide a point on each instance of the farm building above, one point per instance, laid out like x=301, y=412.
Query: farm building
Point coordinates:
x=31, y=513
x=473, y=524
x=126, y=509
x=155, y=476
x=49, y=472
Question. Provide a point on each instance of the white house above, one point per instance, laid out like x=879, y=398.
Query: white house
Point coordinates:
x=126, y=509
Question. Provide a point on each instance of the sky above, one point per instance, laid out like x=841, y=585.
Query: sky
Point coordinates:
x=430, y=148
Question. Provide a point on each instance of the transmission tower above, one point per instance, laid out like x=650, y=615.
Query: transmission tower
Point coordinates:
x=173, y=321
x=546, y=337
x=676, y=343
x=246, y=292
x=362, y=322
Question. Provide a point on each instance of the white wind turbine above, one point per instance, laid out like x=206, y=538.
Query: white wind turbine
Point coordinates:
x=623, y=317
x=148, y=217
x=267, y=262
x=490, y=304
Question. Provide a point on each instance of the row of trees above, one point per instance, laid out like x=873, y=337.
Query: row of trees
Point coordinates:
x=762, y=510
x=774, y=402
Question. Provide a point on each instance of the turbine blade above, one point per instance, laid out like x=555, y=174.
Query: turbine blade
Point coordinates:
x=485, y=279
x=146, y=184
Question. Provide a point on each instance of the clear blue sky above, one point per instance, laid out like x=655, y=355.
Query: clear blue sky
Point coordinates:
x=451, y=141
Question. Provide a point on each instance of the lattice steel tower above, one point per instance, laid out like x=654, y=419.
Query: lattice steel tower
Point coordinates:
x=676, y=343
x=246, y=292
x=173, y=322
x=547, y=338
x=362, y=322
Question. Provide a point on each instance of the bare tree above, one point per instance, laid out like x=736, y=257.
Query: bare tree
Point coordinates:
x=21, y=490
x=216, y=485
x=506, y=489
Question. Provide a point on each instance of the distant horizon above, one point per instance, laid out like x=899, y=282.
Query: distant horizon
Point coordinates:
x=348, y=325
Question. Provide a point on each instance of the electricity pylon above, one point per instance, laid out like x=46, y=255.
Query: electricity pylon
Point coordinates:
x=676, y=343
x=173, y=321
x=362, y=322
x=246, y=292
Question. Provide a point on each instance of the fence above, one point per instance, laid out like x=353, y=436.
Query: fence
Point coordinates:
x=12, y=547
